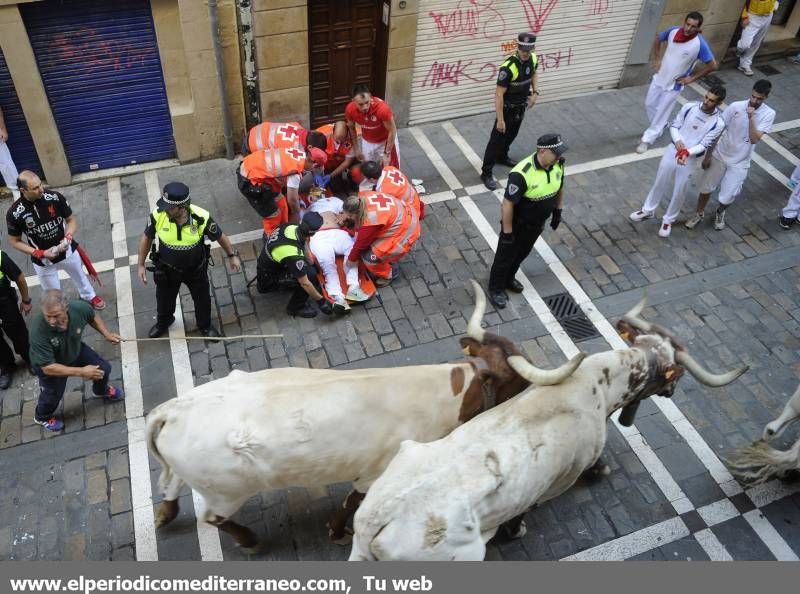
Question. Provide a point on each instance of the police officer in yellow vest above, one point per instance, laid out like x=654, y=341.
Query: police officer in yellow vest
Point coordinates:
x=285, y=252
x=516, y=91
x=182, y=256
x=534, y=193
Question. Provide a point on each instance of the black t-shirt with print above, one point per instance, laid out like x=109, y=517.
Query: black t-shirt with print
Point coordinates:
x=43, y=222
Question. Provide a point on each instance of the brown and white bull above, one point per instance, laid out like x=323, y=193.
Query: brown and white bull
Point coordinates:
x=759, y=462
x=444, y=500
x=249, y=432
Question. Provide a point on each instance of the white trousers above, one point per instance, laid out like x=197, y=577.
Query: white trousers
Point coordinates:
x=73, y=266
x=728, y=179
x=792, y=208
x=326, y=245
x=796, y=174
x=658, y=104
x=7, y=168
x=752, y=36
x=668, y=169
x=373, y=151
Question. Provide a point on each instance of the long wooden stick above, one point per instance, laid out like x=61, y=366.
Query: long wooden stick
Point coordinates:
x=241, y=337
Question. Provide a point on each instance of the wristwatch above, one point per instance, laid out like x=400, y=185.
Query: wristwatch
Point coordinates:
x=27, y=301
x=235, y=253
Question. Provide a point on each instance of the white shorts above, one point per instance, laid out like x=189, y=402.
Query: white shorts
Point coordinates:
x=728, y=179
x=373, y=151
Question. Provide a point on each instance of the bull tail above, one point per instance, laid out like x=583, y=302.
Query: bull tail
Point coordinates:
x=155, y=422
x=759, y=462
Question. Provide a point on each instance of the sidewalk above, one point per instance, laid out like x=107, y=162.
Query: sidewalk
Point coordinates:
x=731, y=296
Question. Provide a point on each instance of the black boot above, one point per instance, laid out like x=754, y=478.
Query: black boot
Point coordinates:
x=159, y=329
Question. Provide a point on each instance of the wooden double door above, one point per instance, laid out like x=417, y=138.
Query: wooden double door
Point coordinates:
x=347, y=45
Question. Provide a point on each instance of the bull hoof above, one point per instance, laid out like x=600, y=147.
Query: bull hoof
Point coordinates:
x=340, y=537
x=167, y=511
x=253, y=549
x=521, y=531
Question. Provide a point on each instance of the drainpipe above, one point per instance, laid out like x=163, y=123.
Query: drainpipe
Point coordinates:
x=223, y=95
x=248, y=52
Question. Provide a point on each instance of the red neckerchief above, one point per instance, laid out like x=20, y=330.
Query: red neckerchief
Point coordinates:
x=681, y=37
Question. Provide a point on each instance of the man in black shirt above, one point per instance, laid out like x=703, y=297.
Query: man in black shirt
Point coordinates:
x=46, y=219
x=11, y=322
x=517, y=80
x=182, y=256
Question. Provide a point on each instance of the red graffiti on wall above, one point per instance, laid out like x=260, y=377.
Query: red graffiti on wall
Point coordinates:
x=537, y=11
x=456, y=73
x=89, y=50
x=477, y=17
x=599, y=11
x=453, y=73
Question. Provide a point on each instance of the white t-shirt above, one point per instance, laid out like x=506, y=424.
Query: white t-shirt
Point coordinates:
x=679, y=58
x=293, y=180
x=734, y=147
x=327, y=204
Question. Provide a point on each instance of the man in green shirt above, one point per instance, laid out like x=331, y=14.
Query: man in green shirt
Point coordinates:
x=57, y=353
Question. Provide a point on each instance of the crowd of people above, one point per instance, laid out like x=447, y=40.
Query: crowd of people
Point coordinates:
x=338, y=212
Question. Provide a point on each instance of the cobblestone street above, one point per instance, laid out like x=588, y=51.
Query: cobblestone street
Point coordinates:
x=732, y=296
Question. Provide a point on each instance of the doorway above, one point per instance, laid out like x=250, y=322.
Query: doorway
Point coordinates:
x=347, y=45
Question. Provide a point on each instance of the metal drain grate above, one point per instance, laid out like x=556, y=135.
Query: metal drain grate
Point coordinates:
x=768, y=70
x=571, y=317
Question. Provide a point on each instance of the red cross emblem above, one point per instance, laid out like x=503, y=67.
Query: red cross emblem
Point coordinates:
x=380, y=201
x=395, y=176
x=296, y=153
x=287, y=131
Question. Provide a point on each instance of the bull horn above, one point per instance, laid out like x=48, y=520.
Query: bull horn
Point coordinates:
x=633, y=317
x=545, y=377
x=474, y=329
x=703, y=375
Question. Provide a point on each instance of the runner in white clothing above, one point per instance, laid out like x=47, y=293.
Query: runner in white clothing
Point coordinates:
x=673, y=56
x=726, y=166
x=695, y=129
x=331, y=241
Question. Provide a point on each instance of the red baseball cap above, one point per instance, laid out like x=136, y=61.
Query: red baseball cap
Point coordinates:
x=319, y=156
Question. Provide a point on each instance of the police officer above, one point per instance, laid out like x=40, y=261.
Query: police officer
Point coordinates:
x=517, y=82
x=182, y=256
x=534, y=193
x=284, y=251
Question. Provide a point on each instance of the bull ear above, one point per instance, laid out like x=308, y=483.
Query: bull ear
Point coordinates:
x=470, y=346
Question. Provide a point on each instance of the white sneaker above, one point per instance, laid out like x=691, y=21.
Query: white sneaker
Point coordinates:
x=665, y=230
x=340, y=306
x=357, y=294
x=719, y=221
x=642, y=148
x=640, y=215
x=746, y=70
x=694, y=220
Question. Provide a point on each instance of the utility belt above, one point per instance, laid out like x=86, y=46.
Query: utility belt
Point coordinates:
x=260, y=196
x=162, y=270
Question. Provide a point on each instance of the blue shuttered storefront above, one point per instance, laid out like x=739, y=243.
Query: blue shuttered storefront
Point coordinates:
x=19, y=142
x=101, y=70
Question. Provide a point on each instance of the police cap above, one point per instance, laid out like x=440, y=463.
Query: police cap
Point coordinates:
x=311, y=223
x=552, y=142
x=526, y=41
x=174, y=194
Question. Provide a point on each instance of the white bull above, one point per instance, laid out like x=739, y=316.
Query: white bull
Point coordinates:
x=249, y=432
x=444, y=500
x=759, y=462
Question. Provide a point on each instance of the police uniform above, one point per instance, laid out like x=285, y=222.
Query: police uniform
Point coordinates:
x=11, y=322
x=534, y=192
x=181, y=258
x=284, y=252
x=515, y=76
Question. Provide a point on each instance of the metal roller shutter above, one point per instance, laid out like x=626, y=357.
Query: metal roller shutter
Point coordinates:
x=101, y=70
x=20, y=143
x=582, y=47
